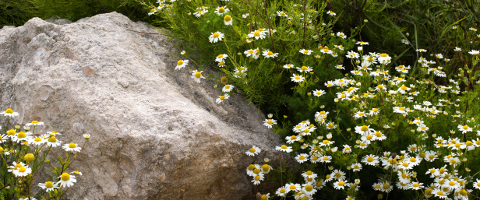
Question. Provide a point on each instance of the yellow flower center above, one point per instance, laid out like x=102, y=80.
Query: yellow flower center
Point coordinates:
x=257, y=178
x=34, y=122
x=304, y=68
x=386, y=186
x=284, y=146
x=22, y=169
x=383, y=55
x=270, y=122
x=29, y=157
x=152, y=10
x=270, y=53
x=37, y=139
x=72, y=145
x=465, y=127
x=378, y=134
x=22, y=135
x=405, y=164
x=297, y=78
x=266, y=167
x=252, y=150
x=403, y=87
x=451, y=183
x=256, y=34
x=221, y=10
x=325, y=158
x=308, y=187
x=305, y=51
x=380, y=86
x=222, y=98
x=52, y=139
x=227, y=18
x=292, y=187
x=413, y=160
x=216, y=35
x=282, y=190
x=468, y=143
x=402, y=108
x=9, y=110
x=180, y=62
x=356, y=167
x=256, y=171
x=49, y=184
x=338, y=175
x=11, y=132
x=301, y=158
x=416, y=185
x=198, y=74
x=370, y=159
x=251, y=167
x=306, y=130
x=17, y=166
x=343, y=96
x=364, y=128
x=341, y=183
x=369, y=137
x=440, y=193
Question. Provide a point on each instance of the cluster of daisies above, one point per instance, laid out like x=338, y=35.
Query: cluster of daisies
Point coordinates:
x=452, y=151
x=22, y=165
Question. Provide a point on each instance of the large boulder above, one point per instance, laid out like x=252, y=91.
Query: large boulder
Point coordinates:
x=153, y=130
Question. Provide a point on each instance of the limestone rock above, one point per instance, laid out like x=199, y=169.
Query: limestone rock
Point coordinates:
x=153, y=130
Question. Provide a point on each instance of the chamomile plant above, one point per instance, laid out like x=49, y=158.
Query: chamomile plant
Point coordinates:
x=359, y=124
x=26, y=151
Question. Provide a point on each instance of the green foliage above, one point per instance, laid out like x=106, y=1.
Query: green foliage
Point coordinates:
x=16, y=13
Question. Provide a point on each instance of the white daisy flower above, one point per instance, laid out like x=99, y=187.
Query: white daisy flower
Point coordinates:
x=305, y=51
x=301, y=158
x=297, y=78
x=72, y=147
x=370, y=160
x=269, y=54
x=222, y=98
x=53, y=142
x=197, y=75
x=318, y=93
x=215, y=37
x=48, y=186
x=22, y=171
x=269, y=122
x=308, y=190
x=228, y=20
x=284, y=148
x=340, y=185
x=341, y=35
x=304, y=69
x=181, y=64
x=257, y=34
x=227, y=88
x=288, y=66
x=282, y=191
x=331, y=13
x=66, y=180
x=356, y=167
x=281, y=14
x=221, y=57
x=253, y=151
x=9, y=113
x=464, y=128
x=152, y=11
x=35, y=123
x=221, y=10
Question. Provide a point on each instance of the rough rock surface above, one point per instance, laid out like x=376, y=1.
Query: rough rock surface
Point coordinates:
x=154, y=130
